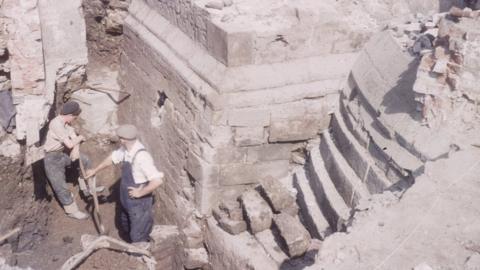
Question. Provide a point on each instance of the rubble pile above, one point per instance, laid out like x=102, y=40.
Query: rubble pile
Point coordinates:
x=445, y=77
x=269, y=206
x=448, y=46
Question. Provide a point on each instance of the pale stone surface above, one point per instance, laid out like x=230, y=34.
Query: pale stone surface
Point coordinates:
x=9, y=147
x=278, y=196
x=225, y=251
x=195, y=258
x=25, y=47
x=257, y=211
x=64, y=45
x=229, y=224
x=297, y=130
x=239, y=174
x=192, y=234
x=296, y=237
x=249, y=136
x=249, y=118
x=99, y=105
x=232, y=208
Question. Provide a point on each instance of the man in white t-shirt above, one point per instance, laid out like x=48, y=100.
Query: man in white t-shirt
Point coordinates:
x=139, y=179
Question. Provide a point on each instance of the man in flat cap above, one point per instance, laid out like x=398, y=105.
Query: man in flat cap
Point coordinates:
x=61, y=149
x=139, y=179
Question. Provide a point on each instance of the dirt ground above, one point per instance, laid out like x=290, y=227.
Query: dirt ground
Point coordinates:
x=59, y=237
x=111, y=260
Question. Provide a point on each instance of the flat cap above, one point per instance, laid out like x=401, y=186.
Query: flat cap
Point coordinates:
x=127, y=132
x=71, y=107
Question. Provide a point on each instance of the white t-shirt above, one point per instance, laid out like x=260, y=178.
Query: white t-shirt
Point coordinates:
x=143, y=168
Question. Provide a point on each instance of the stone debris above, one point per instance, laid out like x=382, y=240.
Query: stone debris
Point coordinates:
x=215, y=5
x=258, y=213
x=472, y=262
x=276, y=194
x=166, y=247
x=422, y=266
x=192, y=234
x=227, y=224
x=5, y=266
x=195, y=258
x=229, y=216
x=296, y=237
x=232, y=208
x=115, y=16
x=447, y=45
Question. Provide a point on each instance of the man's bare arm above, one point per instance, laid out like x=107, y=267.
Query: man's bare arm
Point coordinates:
x=105, y=163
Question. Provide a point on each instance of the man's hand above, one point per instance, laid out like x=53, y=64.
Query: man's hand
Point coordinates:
x=135, y=192
x=80, y=138
x=89, y=173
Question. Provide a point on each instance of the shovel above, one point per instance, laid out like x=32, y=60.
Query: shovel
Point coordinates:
x=92, y=184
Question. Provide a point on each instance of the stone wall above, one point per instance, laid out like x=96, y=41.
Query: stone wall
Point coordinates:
x=221, y=129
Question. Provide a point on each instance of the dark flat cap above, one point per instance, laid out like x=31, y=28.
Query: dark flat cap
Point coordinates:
x=71, y=107
x=127, y=132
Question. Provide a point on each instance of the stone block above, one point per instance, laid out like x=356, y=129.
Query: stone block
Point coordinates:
x=233, y=227
x=241, y=174
x=296, y=237
x=216, y=42
x=258, y=213
x=201, y=170
x=269, y=152
x=205, y=197
x=276, y=194
x=232, y=208
x=248, y=136
x=227, y=155
x=240, y=49
x=164, y=241
x=192, y=234
x=295, y=130
x=195, y=258
x=250, y=117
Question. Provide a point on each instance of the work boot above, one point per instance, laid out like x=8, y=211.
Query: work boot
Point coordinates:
x=87, y=193
x=72, y=211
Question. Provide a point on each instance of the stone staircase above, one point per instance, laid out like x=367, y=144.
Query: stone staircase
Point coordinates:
x=354, y=159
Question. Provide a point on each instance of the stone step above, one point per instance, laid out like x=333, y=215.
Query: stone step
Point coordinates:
x=332, y=204
x=310, y=211
x=357, y=157
x=387, y=152
x=347, y=183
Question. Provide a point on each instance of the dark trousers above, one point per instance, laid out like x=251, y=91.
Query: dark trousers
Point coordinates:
x=137, y=220
x=56, y=164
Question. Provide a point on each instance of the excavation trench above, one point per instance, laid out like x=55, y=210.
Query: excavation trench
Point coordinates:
x=268, y=162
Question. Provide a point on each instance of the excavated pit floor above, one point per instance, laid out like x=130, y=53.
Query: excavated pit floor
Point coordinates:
x=61, y=239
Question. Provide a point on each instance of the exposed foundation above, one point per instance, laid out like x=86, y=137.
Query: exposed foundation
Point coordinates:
x=288, y=132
